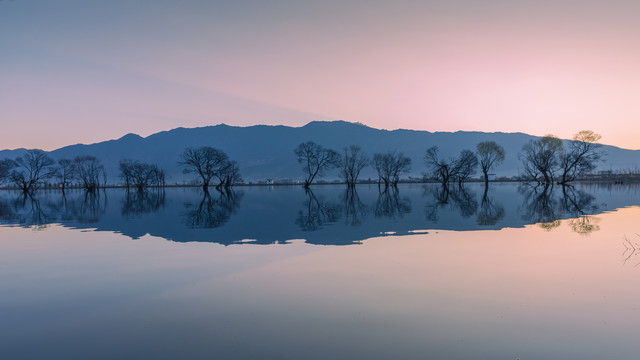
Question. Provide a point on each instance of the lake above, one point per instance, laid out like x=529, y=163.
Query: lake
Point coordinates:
x=280, y=273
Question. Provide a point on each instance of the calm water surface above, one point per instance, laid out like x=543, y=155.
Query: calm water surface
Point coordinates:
x=280, y=273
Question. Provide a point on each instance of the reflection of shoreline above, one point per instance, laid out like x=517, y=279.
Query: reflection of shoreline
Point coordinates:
x=325, y=215
x=547, y=205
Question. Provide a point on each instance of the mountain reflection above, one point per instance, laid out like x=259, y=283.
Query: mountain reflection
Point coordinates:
x=326, y=215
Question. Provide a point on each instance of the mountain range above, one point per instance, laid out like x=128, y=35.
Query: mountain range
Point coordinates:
x=266, y=152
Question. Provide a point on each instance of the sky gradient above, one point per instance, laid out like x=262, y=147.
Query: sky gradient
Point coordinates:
x=85, y=71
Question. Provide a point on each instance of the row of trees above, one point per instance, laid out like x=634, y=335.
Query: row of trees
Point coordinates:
x=35, y=167
x=549, y=159
x=545, y=160
x=317, y=160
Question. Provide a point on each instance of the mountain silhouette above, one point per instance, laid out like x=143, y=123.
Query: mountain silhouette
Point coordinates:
x=266, y=152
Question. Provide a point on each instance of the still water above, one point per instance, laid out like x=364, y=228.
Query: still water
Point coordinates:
x=280, y=273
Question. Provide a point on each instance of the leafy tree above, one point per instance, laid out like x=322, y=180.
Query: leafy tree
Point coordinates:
x=490, y=154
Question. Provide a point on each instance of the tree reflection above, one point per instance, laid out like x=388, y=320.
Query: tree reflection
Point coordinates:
x=539, y=206
x=355, y=210
x=41, y=209
x=316, y=212
x=391, y=205
x=213, y=210
x=458, y=198
x=543, y=208
x=490, y=212
x=143, y=201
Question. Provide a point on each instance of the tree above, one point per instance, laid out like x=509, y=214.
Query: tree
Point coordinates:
x=316, y=160
x=457, y=169
x=390, y=166
x=465, y=166
x=205, y=161
x=540, y=158
x=229, y=175
x=441, y=170
x=31, y=169
x=6, y=165
x=89, y=170
x=490, y=154
x=352, y=164
x=581, y=155
x=65, y=172
x=141, y=175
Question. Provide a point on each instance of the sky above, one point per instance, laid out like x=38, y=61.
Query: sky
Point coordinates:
x=83, y=71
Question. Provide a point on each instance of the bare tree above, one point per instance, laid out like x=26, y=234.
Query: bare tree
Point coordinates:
x=141, y=175
x=455, y=169
x=353, y=161
x=205, y=161
x=390, y=166
x=540, y=158
x=89, y=170
x=229, y=174
x=490, y=154
x=31, y=169
x=441, y=169
x=65, y=172
x=316, y=160
x=465, y=166
x=6, y=165
x=581, y=155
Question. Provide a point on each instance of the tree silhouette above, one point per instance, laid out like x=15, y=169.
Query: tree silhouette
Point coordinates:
x=455, y=169
x=205, y=161
x=540, y=158
x=390, y=166
x=490, y=154
x=353, y=161
x=31, y=169
x=89, y=171
x=581, y=155
x=316, y=160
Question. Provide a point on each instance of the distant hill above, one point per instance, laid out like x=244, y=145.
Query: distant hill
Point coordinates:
x=266, y=152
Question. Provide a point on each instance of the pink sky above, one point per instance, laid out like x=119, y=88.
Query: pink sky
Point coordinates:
x=78, y=72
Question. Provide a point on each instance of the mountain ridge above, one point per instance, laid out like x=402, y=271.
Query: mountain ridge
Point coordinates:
x=266, y=151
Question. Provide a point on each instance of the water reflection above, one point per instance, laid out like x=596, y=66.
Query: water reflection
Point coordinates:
x=454, y=197
x=391, y=205
x=317, y=212
x=354, y=209
x=490, y=211
x=327, y=215
x=52, y=207
x=143, y=201
x=546, y=205
x=213, y=210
